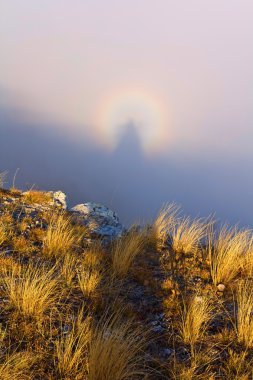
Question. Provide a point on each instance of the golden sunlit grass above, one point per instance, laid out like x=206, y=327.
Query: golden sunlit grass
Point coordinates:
x=195, y=316
x=3, y=233
x=17, y=366
x=8, y=265
x=71, y=350
x=21, y=244
x=247, y=259
x=68, y=267
x=60, y=236
x=89, y=279
x=32, y=291
x=116, y=350
x=244, y=317
x=163, y=225
x=226, y=253
x=111, y=350
x=237, y=367
x=37, y=197
x=187, y=234
x=84, y=306
x=125, y=250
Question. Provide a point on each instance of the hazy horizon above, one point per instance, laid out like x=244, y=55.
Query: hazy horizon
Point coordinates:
x=131, y=104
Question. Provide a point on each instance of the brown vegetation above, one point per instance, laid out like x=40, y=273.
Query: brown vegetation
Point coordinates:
x=167, y=301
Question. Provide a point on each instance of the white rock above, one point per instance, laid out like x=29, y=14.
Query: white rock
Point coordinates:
x=59, y=199
x=99, y=219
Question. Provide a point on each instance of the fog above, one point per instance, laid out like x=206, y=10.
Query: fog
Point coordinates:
x=130, y=104
x=126, y=180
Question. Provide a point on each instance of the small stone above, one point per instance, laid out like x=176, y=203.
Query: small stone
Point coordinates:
x=166, y=352
x=221, y=287
x=157, y=328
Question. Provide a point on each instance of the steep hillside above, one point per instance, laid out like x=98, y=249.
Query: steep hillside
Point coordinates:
x=81, y=297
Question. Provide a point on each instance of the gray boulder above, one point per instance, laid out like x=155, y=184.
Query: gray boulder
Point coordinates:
x=99, y=219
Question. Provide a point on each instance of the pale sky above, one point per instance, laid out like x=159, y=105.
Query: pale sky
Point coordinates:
x=194, y=58
x=180, y=71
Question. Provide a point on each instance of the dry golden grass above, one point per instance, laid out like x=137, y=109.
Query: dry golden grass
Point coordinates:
x=15, y=191
x=186, y=234
x=2, y=334
x=247, y=259
x=94, y=255
x=125, y=250
x=37, y=197
x=89, y=279
x=8, y=265
x=32, y=291
x=71, y=350
x=60, y=236
x=68, y=268
x=17, y=366
x=226, y=253
x=163, y=225
x=244, y=317
x=3, y=233
x=195, y=316
x=116, y=350
x=237, y=367
x=21, y=244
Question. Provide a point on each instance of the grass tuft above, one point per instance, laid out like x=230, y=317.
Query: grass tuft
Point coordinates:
x=116, y=350
x=125, y=250
x=226, y=253
x=31, y=290
x=187, y=235
x=71, y=349
x=3, y=233
x=163, y=225
x=17, y=366
x=60, y=236
x=195, y=316
x=37, y=197
x=244, y=318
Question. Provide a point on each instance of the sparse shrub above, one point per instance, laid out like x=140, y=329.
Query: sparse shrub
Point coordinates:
x=125, y=250
x=226, y=253
x=60, y=236
x=195, y=316
x=32, y=291
x=244, y=317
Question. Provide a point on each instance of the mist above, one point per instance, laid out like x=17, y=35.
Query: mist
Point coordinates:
x=126, y=180
x=130, y=104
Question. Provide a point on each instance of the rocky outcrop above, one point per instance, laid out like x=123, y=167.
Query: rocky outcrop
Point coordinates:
x=99, y=219
x=59, y=199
